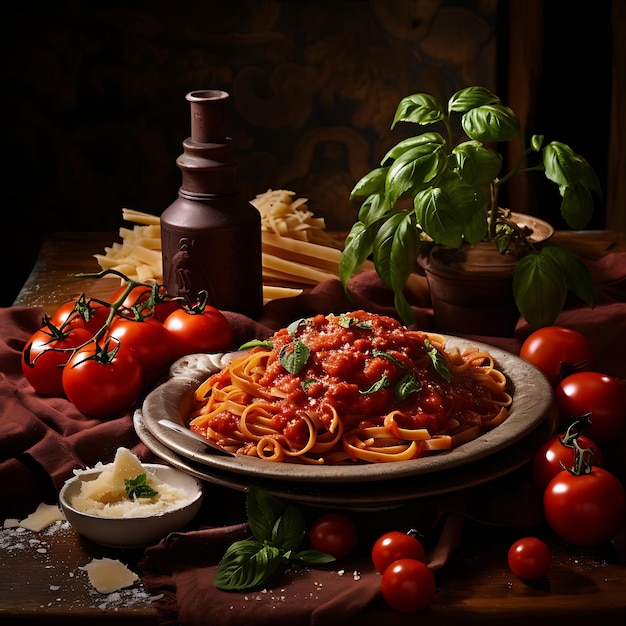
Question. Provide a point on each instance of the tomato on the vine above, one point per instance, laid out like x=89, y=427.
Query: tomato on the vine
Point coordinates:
x=199, y=330
x=45, y=354
x=396, y=545
x=102, y=380
x=559, y=452
x=557, y=352
x=334, y=534
x=408, y=586
x=148, y=339
x=602, y=396
x=585, y=509
x=141, y=294
x=82, y=313
x=529, y=558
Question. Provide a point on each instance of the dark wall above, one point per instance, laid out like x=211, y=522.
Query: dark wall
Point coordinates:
x=97, y=112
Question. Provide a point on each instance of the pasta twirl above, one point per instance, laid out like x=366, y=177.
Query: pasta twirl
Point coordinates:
x=356, y=387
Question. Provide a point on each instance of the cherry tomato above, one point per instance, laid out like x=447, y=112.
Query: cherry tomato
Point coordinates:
x=408, y=586
x=197, y=332
x=529, y=558
x=557, y=352
x=148, y=339
x=46, y=353
x=102, y=381
x=334, y=534
x=558, y=453
x=393, y=546
x=586, y=509
x=81, y=312
x=601, y=395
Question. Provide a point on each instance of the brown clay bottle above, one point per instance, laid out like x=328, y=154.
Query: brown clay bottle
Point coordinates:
x=211, y=236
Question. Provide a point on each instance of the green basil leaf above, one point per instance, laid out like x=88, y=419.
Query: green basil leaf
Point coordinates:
x=289, y=529
x=292, y=329
x=373, y=208
x=378, y=385
x=263, y=511
x=577, y=277
x=539, y=289
x=305, y=384
x=491, y=122
x=253, y=343
x=406, y=386
x=431, y=140
x=438, y=360
x=420, y=108
x=385, y=355
x=138, y=487
x=293, y=357
x=359, y=245
x=345, y=321
x=310, y=557
x=372, y=183
x=247, y=564
x=576, y=206
x=475, y=164
x=470, y=98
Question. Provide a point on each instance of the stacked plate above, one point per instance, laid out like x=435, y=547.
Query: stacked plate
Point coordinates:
x=496, y=453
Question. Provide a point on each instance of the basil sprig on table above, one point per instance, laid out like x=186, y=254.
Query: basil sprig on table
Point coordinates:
x=278, y=530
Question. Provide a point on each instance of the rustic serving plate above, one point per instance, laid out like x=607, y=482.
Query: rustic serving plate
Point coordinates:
x=532, y=401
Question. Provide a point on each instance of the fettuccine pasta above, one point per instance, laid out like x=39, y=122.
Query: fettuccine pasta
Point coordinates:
x=350, y=388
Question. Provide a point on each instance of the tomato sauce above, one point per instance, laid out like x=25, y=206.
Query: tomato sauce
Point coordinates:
x=355, y=364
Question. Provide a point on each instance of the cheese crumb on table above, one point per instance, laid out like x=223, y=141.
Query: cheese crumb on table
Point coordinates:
x=45, y=515
x=109, y=575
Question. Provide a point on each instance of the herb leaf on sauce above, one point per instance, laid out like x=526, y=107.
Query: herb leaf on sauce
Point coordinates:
x=292, y=329
x=382, y=382
x=253, y=343
x=346, y=321
x=138, y=487
x=439, y=361
x=278, y=529
x=293, y=356
x=406, y=386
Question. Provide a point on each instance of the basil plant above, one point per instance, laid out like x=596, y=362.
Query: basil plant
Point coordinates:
x=454, y=193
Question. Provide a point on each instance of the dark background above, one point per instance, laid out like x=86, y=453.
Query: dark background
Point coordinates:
x=95, y=110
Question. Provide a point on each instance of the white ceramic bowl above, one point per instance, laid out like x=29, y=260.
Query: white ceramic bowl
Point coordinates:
x=133, y=532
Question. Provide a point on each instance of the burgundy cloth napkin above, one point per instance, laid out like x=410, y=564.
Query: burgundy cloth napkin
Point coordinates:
x=42, y=440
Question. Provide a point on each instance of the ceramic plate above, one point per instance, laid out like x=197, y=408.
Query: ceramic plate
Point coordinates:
x=361, y=495
x=532, y=399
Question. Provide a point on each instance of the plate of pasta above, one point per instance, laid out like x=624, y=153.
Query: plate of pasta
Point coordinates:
x=355, y=397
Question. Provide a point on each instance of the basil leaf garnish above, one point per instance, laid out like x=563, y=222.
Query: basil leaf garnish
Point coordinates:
x=253, y=343
x=292, y=329
x=138, y=487
x=293, y=357
x=406, y=386
x=246, y=564
x=439, y=361
x=379, y=384
x=346, y=321
x=386, y=355
x=305, y=384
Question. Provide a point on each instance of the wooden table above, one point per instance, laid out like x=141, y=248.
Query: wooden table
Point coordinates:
x=42, y=582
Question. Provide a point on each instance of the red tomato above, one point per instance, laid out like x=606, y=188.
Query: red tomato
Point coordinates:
x=408, y=586
x=148, y=339
x=334, y=534
x=81, y=312
x=601, y=395
x=393, y=546
x=46, y=353
x=193, y=332
x=529, y=558
x=558, y=352
x=102, y=381
x=554, y=456
x=586, y=509
x=142, y=293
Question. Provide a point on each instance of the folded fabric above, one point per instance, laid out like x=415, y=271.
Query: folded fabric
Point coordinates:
x=42, y=440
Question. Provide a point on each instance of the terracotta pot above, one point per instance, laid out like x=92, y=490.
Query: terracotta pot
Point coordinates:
x=472, y=288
